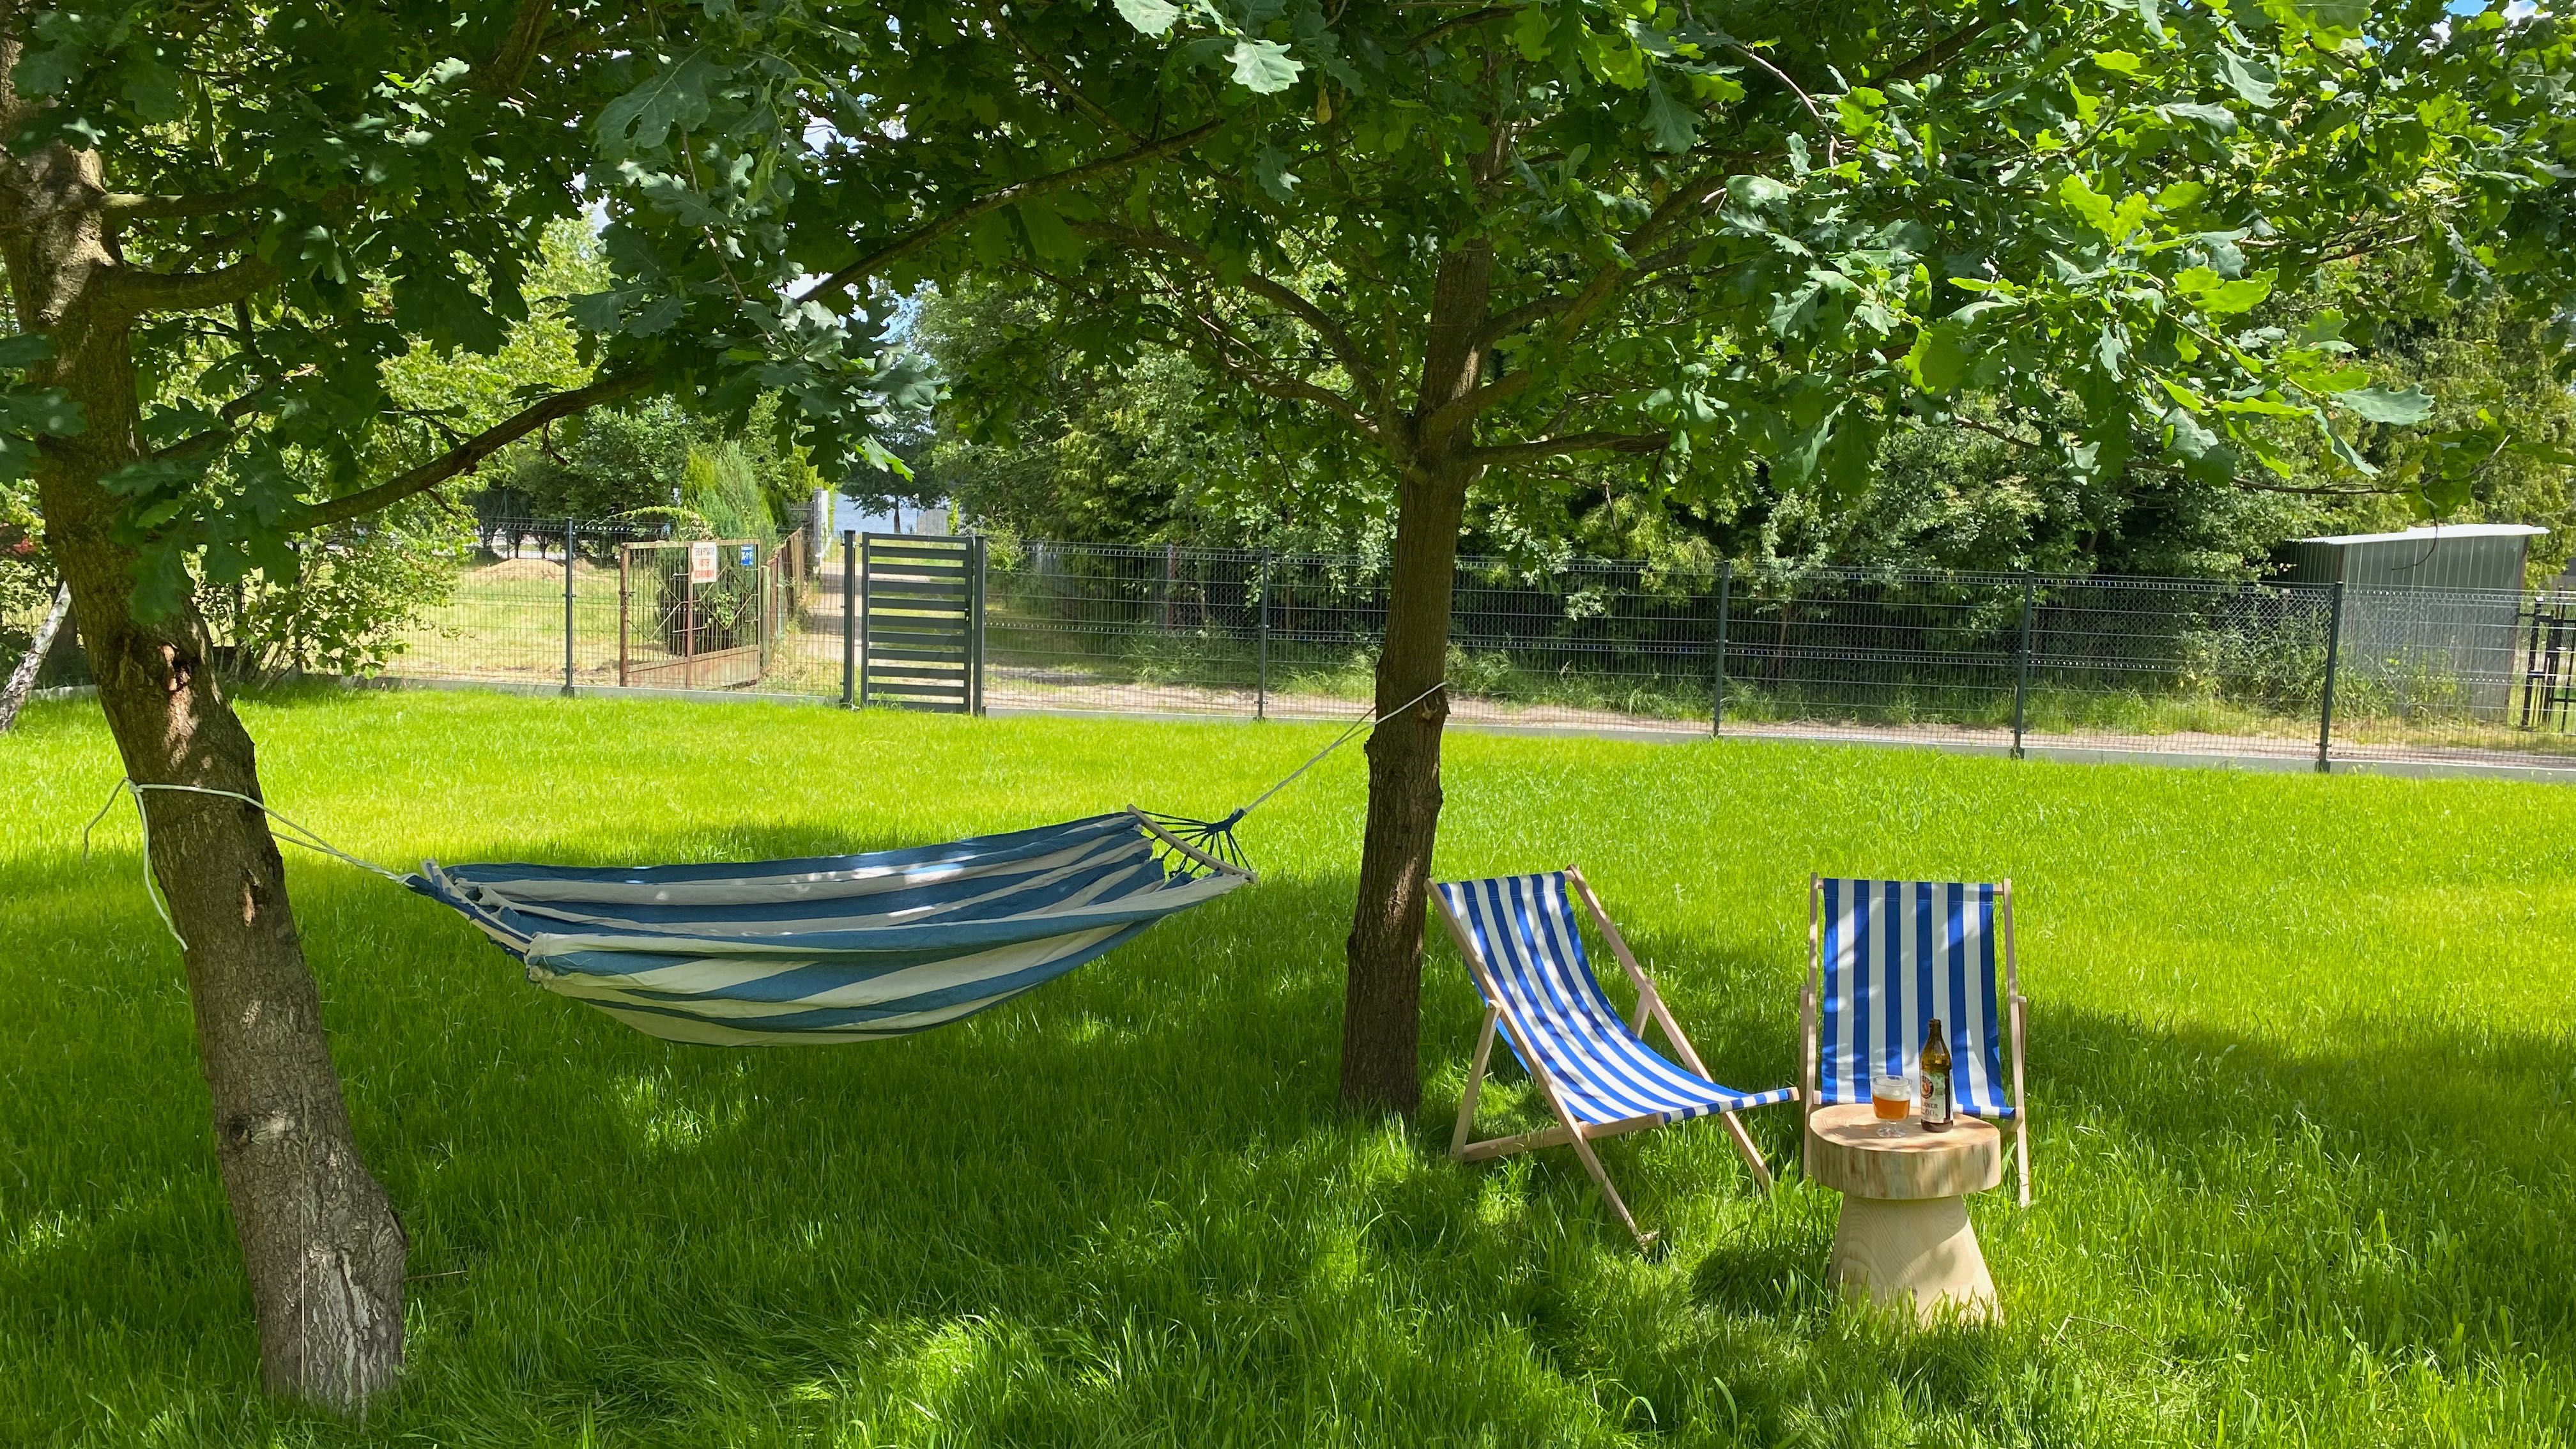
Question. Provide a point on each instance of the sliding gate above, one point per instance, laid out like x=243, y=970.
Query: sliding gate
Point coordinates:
x=921, y=622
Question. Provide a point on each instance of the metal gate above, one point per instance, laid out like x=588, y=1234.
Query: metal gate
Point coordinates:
x=2549, y=661
x=921, y=622
x=694, y=614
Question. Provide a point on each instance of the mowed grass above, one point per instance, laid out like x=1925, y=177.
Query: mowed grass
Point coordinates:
x=2301, y=1062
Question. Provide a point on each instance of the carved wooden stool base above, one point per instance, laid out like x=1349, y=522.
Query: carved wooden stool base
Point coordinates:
x=1916, y=1255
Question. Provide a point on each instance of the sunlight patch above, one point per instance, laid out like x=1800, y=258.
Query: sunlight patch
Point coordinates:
x=662, y=1123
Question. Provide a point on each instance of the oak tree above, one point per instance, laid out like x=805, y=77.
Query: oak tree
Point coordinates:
x=1662, y=244
x=222, y=224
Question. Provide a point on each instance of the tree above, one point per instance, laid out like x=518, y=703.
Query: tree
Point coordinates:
x=22, y=679
x=1691, y=245
x=223, y=229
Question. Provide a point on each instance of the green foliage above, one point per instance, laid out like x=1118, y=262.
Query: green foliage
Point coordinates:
x=1123, y=1209
x=1072, y=447
x=26, y=572
x=609, y=462
x=1749, y=242
x=377, y=183
x=346, y=607
x=1727, y=242
x=632, y=461
x=2500, y=443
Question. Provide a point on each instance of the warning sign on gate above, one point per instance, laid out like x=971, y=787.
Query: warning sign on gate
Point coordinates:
x=747, y=554
x=702, y=563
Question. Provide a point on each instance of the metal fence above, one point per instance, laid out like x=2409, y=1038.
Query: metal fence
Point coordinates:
x=2015, y=661
x=606, y=605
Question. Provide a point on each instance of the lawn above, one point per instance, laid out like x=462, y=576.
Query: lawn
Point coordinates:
x=2303, y=1064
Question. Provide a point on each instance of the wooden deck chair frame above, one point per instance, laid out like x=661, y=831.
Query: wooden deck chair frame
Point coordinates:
x=1811, y=1065
x=1567, y=1131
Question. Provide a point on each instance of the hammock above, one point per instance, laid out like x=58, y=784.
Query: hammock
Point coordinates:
x=847, y=947
x=830, y=948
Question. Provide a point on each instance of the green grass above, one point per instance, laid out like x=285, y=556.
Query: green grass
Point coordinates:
x=2301, y=1062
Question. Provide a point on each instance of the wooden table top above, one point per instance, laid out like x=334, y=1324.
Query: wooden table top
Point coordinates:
x=1851, y=1151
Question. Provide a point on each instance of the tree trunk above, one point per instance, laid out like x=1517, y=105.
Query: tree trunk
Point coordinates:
x=1382, y=998
x=318, y=1235
x=22, y=680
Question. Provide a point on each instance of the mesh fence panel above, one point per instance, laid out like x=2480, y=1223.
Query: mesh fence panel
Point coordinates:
x=2218, y=667
x=504, y=618
x=1132, y=630
x=2431, y=674
x=1883, y=655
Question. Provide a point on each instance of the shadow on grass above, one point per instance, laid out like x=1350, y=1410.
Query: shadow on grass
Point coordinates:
x=1126, y=1203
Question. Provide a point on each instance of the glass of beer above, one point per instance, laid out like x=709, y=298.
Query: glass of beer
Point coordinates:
x=1891, y=1099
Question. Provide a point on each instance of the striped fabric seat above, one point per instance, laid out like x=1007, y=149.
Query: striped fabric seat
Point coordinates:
x=834, y=948
x=1555, y=1017
x=1894, y=955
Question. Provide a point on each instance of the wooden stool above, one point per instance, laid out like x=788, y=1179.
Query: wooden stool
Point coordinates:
x=1905, y=1240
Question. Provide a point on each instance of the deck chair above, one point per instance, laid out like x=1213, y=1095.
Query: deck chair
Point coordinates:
x=1599, y=1076
x=1883, y=958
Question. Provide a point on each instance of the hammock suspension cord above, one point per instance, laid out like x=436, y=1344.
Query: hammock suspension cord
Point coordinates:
x=1216, y=837
x=1213, y=838
x=295, y=835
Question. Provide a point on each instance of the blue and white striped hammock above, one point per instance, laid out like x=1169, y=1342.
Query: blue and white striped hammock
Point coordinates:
x=830, y=948
x=841, y=948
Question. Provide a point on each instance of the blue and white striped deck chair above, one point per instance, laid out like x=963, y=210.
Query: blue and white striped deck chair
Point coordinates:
x=1600, y=1078
x=1887, y=956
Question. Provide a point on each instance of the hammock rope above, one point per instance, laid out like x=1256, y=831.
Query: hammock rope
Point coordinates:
x=837, y=948
x=300, y=835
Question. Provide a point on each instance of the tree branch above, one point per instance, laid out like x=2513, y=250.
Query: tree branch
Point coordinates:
x=1591, y=442
x=1823, y=126
x=1458, y=23
x=1266, y=380
x=136, y=292
x=922, y=236
x=1991, y=431
x=1943, y=51
x=124, y=206
x=1578, y=307
x=1286, y=298
x=1450, y=415
x=1503, y=324
x=466, y=456
x=501, y=75
x=1057, y=80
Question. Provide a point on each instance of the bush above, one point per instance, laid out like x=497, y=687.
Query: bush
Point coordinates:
x=354, y=592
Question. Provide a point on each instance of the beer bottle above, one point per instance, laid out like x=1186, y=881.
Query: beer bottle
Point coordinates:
x=1935, y=1062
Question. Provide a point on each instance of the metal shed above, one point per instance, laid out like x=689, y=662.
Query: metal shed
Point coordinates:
x=2430, y=615
x=2457, y=556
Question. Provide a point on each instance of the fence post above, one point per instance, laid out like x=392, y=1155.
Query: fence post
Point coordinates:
x=625, y=604
x=2530, y=659
x=2021, y=667
x=1261, y=696
x=569, y=528
x=975, y=639
x=1717, y=681
x=849, y=616
x=863, y=618
x=2325, y=701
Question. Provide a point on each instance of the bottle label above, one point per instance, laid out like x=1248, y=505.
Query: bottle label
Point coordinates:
x=1936, y=1096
